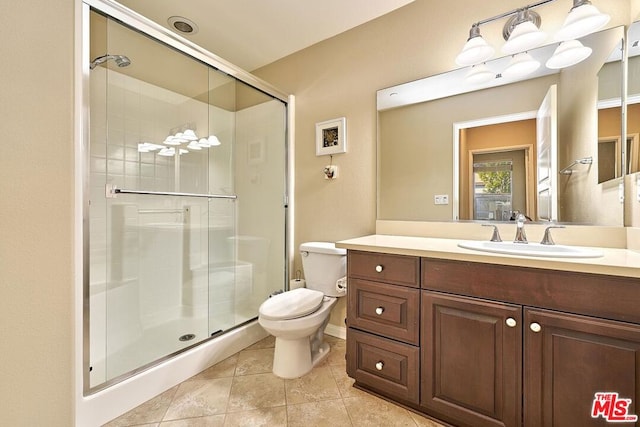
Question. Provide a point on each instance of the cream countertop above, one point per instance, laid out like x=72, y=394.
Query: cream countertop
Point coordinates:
x=616, y=262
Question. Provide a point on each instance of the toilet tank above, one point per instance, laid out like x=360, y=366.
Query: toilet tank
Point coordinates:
x=323, y=264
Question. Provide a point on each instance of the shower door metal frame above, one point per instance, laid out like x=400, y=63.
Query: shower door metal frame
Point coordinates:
x=139, y=23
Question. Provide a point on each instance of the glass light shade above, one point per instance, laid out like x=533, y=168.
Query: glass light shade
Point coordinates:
x=567, y=54
x=479, y=74
x=582, y=20
x=178, y=139
x=189, y=135
x=520, y=65
x=213, y=140
x=167, y=152
x=475, y=51
x=204, y=143
x=193, y=145
x=173, y=140
x=526, y=35
x=145, y=147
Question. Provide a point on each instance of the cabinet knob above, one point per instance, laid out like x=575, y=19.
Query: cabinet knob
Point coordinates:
x=379, y=268
x=535, y=327
x=511, y=322
x=379, y=366
x=379, y=310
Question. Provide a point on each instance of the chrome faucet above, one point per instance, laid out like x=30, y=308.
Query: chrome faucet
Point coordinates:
x=495, y=237
x=521, y=236
x=547, y=240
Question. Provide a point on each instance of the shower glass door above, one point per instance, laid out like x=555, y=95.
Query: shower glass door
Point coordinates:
x=186, y=174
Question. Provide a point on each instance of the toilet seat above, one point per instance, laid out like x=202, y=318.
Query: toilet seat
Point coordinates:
x=292, y=304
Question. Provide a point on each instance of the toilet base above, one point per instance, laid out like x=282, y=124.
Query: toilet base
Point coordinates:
x=293, y=358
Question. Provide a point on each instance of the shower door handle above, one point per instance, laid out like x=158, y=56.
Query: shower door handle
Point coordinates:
x=112, y=190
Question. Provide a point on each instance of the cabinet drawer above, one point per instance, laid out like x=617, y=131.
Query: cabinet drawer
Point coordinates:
x=387, y=366
x=399, y=269
x=389, y=310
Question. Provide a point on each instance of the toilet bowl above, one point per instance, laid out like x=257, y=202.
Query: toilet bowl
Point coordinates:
x=297, y=318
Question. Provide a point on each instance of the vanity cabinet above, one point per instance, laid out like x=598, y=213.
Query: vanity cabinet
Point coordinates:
x=498, y=345
x=568, y=358
x=471, y=360
x=383, y=315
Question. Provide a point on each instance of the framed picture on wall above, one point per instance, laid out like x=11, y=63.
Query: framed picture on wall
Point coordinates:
x=331, y=137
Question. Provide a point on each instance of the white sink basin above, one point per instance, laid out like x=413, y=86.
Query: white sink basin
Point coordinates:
x=531, y=249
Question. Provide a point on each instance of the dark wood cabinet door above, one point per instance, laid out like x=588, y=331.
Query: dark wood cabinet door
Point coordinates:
x=570, y=358
x=471, y=357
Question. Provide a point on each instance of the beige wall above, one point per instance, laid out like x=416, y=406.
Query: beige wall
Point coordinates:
x=335, y=78
x=339, y=77
x=416, y=146
x=36, y=226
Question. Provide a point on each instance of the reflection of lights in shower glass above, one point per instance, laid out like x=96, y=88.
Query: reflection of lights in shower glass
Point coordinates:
x=146, y=147
x=171, y=140
x=189, y=135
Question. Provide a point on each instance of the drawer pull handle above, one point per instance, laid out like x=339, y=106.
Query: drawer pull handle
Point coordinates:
x=535, y=327
x=379, y=268
x=511, y=322
x=379, y=366
x=379, y=310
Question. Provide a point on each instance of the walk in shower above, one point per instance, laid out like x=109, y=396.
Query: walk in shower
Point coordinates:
x=185, y=200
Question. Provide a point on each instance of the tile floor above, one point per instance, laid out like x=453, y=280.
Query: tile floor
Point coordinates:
x=242, y=391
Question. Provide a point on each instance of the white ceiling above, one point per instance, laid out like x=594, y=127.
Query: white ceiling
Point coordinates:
x=254, y=33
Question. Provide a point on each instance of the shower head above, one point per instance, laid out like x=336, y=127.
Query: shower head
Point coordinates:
x=121, y=60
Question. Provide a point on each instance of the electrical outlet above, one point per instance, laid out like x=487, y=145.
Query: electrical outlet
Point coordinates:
x=441, y=199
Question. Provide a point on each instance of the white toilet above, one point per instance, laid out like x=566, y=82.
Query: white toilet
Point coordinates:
x=297, y=318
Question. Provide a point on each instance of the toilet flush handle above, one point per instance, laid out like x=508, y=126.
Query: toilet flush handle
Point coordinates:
x=304, y=253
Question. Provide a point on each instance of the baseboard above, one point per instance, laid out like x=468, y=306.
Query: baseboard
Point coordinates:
x=336, y=331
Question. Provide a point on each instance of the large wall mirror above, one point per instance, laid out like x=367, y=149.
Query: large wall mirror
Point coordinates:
x=449, y=149
x=633, y=99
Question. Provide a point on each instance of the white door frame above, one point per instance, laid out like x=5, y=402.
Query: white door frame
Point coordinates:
x=457, y=127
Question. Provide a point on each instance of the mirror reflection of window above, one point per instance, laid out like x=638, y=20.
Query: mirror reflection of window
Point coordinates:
x=492, y=193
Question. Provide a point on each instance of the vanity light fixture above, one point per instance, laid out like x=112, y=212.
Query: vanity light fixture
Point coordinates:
x=522, y=33
x=584, y=18
x=178, y=136
x=213, y=141
x=475, y=50
x=479, y=74
x=520, y=65
x=567, y=54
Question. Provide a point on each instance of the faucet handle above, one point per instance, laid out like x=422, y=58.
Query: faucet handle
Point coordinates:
x=495, y=237
x=547, y=239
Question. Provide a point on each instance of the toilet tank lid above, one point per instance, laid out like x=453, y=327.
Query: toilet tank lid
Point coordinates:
x=292, y=304
x=322, y=248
